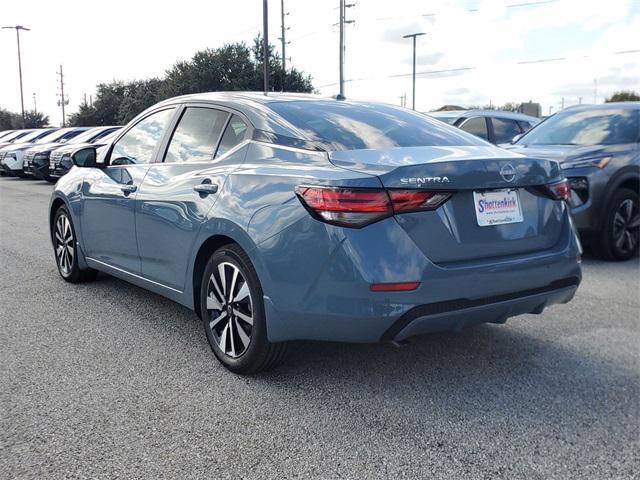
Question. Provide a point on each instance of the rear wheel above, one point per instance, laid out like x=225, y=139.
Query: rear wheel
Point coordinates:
x=233, y=313
x=66, y=249
x=620, y=236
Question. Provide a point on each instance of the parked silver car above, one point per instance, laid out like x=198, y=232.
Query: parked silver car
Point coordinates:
x=495, y=126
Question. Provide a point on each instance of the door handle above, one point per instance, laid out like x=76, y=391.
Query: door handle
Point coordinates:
x=206, y=188
x=127, y=189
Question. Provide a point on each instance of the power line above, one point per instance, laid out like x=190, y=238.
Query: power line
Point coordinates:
x=462, y=69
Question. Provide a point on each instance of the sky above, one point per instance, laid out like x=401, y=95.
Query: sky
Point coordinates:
x=475, y=52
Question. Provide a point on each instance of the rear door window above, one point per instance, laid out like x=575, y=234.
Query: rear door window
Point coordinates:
x=476, y=126
x=234, y=134
x=504, y=129
x=196, y=136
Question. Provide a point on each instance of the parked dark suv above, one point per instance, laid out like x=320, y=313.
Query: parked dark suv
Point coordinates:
x=597, y=146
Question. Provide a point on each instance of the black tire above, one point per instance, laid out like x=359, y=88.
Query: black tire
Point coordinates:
x=65, y=249
x=225, y=318
x=620, y=235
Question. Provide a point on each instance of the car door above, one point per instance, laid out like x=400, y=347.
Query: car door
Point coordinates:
x=182, y=187
x=109, y=193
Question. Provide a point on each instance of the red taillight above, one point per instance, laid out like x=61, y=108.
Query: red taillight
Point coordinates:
x=345, y=199
x=560, y=190
x=357, y=207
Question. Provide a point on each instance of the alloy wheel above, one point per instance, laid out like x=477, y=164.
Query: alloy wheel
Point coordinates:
x=230, y=309
x=626, y=226
x=64, y=245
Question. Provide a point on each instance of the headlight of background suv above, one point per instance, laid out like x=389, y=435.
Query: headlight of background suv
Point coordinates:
x=599, y=162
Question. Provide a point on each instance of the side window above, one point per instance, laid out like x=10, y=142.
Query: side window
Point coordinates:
x=235, y=133
x=139, y=143
x=196, y=136
x=476, y=126
x=504, y=130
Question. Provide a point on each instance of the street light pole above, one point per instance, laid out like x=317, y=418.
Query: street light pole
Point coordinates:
x=413, y=36
x=265, y=44
x=18, y=28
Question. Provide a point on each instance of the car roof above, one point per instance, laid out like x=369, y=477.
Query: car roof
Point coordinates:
x=254, y=106
x=483, y=113
x=604, y=106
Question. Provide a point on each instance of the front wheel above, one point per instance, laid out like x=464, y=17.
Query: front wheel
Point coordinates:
x=620, y=236
x=66, y=249
x=233, y=313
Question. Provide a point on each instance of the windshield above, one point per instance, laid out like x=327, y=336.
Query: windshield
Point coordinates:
x=449, y=120
x=86, y=136
x=351, y=126
x=603, y=126
x=15, y=135
x=34, y=135
x=61, y=136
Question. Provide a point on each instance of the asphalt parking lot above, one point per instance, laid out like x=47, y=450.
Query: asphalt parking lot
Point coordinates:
x=107, y=380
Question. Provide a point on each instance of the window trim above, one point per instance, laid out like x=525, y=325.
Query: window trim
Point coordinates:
x=154, y=155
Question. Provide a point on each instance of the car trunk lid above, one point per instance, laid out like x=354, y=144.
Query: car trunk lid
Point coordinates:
x=453, y=233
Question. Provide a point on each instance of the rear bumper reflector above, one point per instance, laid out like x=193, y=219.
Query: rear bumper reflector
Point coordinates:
x=394, y=287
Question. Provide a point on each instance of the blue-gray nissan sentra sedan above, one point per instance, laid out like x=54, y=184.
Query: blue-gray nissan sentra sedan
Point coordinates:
x=288, y=217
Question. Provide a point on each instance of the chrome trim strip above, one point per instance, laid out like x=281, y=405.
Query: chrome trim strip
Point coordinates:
x=133, y=275
x=291, y=149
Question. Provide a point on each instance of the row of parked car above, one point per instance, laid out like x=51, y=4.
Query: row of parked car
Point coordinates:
x=45, y=153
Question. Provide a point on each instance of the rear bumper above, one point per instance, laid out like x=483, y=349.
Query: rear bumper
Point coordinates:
x=461, y=313
x=337, y=305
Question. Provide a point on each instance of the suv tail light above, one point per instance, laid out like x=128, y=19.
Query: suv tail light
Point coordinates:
x=358, y=207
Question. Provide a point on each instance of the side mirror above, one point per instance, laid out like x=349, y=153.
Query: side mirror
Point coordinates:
x=516, y=138
x=85, y=157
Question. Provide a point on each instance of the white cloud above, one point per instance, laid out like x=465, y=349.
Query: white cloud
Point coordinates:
x=125, y=40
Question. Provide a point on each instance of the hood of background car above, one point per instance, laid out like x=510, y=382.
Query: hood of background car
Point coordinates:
x=68, y=148
x=563, y=153
x=47, y=147
x=17, y=147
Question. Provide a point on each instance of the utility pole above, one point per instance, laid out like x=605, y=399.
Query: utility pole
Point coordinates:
x=63, y=100
x=563, y=103
x=265, y=44
x=595, y=90
x=284, y=44
x=18, y=28
x=35, y=107
x=342, y=22
x=413, y=36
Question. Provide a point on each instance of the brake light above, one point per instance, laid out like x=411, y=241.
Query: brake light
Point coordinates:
x=560, y=190
x=358, y=207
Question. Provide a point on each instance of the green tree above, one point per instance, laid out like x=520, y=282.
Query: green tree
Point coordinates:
x=32, y=119
x=138, y=96
x=233, y=66
x=6, y=119
x=624, y=96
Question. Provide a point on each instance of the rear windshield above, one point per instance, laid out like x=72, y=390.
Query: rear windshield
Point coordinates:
x=347, y=126
x=601, y=126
